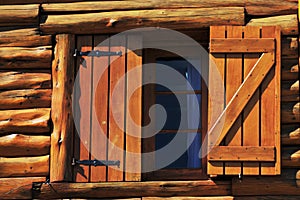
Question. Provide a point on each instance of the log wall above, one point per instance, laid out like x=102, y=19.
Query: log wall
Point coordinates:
x=27, y=32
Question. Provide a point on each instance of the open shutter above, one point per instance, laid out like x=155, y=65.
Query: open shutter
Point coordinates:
x=245, y=137
x=107, y=111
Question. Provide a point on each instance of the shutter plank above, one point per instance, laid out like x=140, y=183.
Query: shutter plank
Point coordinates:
x=134, y=109
x=251, y=111
x=234, y=79
x=116, y=120
x=82, y=110
x=99, y=109
x=216, y=107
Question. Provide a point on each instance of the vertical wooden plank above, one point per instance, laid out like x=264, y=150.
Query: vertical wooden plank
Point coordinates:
x=234, y=72
x=61, y=106
x=251, y=111
x=116, y=133
x=134, y=109
x=82, y=109
x=268, y=112
x=100, y=109
x=215, y=108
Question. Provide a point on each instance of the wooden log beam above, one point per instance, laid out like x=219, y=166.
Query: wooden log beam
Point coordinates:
x=288, y=23
x=289, y=48
x=28, y=41
x=18, y=145
x=24, y=166
x=112, y=22
x=264, y=186
x=24, y=80
x=271, y=8
x=235, y=153
x=241, y=45
x=134, y=189
x=18, y=188
x=24, y=64
x=61, y=137
x=15, y=99
x=295, y=86
x=93, y=6
x=290, y=74
x=189, y=198
x=13, y=2
x=19, y=15
x=12, y=32
x=25, y=121
x=290, y=113
x=291, y=157
x=41, y=54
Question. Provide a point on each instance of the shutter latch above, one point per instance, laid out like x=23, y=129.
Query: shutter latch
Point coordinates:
x=96, y=53
x=96, y=162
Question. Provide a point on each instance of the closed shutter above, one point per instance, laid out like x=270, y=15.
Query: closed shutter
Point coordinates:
x=244, y=138
x=107, y=110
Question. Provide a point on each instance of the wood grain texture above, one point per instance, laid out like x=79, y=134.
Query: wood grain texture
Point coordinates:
x=134, y=189
x=24, y=80
x=61, y=109
x=189, y=198
x=18, y=188
x=15, y=99
x=289, y=48
x=239, y=153
x=41, y=54
x=112, y=22
x=24, y=166
x=288, y=23
x=25, y=64
x=25, y=121
x=13, y=32
x=247, y=45
x=19, y=145
x=27, y=41
x=19, y=14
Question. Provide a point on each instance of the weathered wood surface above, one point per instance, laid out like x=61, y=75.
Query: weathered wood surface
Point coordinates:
x=24, y=166
x=41, y=54
x=13, y=32
x=290, y=73
x=246, y=90
x=264, y=186
x=253, y=7
x=109, y=22
x=289, y=48
x=134, y=189
x=290, y=113
x=24, y=145
x=290, y=91
x=27, y=41
x=24, y=80
x=19, y=15
x=241, y=153
x=18, y=188
x=25, y=64
x=293, y=138
x=190, y=198
x=12, y=2
x=62, y=135
x=13, y=99
x=288, y=23
x=25, y=121
x=235, y=45
x=291, y=157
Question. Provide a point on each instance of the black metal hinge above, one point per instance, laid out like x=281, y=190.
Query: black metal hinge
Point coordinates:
x=96, y=53
x=96, y=162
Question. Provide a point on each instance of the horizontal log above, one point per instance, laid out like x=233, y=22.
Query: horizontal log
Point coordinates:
x=25, y=121
x=234, y=153
x=112, y=22
x=291, y=157
x=14, y=99
x=19, y=14
x=28, y=41
x=264, y=186
x=21, y=53
x=295, y=86
x=13, y=2
x=288, y=95
x=134, y=189
x=296, y=109
x=291, y=140
x=288, y=23
x=24, y=80
x=189, y=198
x=266, y=197
x=241, y=45
x=17, y=145
x=25, y=64
x=271, y=8
x=290, y=113
x=289, y=48
x=12, y=32
x=291, y=174
x=24, y=166
x=18, y=188
x=136, y=5
x=290, y=74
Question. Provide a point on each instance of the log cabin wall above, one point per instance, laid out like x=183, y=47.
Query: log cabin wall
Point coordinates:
x=27, y=32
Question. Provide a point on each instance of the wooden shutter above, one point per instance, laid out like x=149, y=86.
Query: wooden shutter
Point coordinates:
x=98, y=109
x=245, y=137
